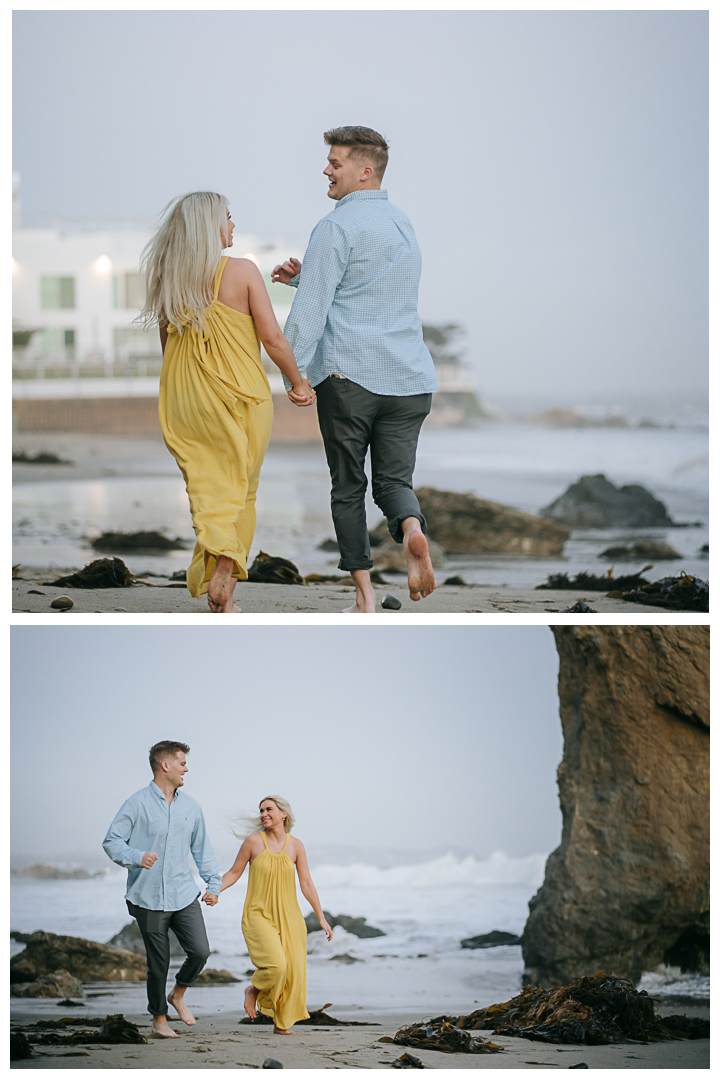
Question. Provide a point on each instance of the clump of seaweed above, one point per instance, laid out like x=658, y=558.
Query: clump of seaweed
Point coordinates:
x=273, y=570
x=445, y=1035
x=593, y=1010
x=596, y=582
x=682, y=592
x=40, y=457
x=139, y=542
x=99, y=574
x=111, y=1029
x=317, y=1018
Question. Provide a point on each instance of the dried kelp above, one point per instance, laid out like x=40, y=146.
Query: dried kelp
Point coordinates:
x=444, y=1035
x=596, y=582
x=682, y=592
x=593, y=1010
x=20, y=1048
x=317, y=1018
x=112, y=1029
x=579, y=608
x=138, y=542
x=273, y=570
x=41, y=457
x=100, y=574
x=407, y=1061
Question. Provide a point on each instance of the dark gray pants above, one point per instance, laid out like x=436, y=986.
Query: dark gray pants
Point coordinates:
x=352, y=419
x=189, y=928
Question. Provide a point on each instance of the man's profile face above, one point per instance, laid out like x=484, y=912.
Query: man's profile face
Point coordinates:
x=175, y=768
x=346, y=174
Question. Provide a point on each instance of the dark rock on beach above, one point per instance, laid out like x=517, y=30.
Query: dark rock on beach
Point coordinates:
x=594, y=502
x=40, y=457
x=216, y=977
x=638, y=550
x=51, y=873
x=130, y=939
x=274, y=570
x=628, y=888
x=464, y=524
x=89, y=961
x=357, y=926
x=140, y=543
x=489, y=941
x=20, y=1048
x=60, y=984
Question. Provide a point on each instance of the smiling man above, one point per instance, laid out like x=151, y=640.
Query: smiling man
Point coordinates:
x=152, y=835
x=355, y=331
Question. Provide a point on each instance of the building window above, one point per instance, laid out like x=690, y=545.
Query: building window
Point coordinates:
x=128, y=291
x=58, y=342
x=57, y=292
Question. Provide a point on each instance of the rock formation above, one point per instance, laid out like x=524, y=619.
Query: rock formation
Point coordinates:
x=595, y=503
x=61, y=984
x=88, y=961
x=356, y=925
x=628, y=888
x=130, y=939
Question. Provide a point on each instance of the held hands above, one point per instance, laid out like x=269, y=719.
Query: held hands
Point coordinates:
x=283, y=273
x=210, y=899
x=325, y=926
x=303, y=394
x=148, y=860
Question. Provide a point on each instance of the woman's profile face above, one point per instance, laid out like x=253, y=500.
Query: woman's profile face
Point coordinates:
x=227, y=231
x=270, y=815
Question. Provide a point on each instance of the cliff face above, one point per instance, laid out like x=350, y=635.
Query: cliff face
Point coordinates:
x=628, y=888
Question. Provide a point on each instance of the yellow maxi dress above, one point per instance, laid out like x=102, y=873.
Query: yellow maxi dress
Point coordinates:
x=216, y=414
x=276, y=937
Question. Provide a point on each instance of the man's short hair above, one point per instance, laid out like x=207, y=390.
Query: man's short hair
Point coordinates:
x=161, y=751
x=363, y=143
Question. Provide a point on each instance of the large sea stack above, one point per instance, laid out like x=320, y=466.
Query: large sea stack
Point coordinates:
x=628, y=888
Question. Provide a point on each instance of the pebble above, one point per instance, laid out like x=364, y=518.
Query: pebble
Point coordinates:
x=121, y=609
x=391, y=603
x=272, y=1063
x=63, y=603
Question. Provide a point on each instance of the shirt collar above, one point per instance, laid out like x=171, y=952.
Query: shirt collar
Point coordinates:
x=160, y=794
x=357, y=196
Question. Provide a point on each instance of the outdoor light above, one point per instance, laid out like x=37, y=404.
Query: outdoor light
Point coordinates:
x=102, y=265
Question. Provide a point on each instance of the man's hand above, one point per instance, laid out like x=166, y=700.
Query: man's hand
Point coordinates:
x=282, y=274
x=210, y=899
x=149, y=859
x=302, y=394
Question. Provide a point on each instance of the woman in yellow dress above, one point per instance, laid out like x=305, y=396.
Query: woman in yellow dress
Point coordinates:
x=215, y=400
x=272, y=924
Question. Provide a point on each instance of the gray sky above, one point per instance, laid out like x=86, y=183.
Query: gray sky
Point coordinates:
x=553, y=162
x=450, y=743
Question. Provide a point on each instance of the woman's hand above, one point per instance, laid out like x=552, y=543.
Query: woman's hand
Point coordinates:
x=326, y=927
x=303, y=394
x=284, y=273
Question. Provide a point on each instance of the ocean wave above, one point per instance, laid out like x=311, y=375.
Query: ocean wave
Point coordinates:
x=498, y=869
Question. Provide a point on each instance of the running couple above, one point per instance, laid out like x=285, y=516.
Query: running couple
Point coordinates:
x=153, y=834
x=353, y=342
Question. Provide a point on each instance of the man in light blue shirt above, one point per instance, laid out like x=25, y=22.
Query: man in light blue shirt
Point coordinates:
x=152, y=835
x=355, y=331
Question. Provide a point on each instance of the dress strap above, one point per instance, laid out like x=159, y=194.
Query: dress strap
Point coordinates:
x=264, y=839
x=287, y=837
x=218, y=276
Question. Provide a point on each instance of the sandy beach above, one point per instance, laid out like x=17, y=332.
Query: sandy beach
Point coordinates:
x=218, y=1042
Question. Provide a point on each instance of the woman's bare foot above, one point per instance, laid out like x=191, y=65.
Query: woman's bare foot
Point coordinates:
x=251, y=995
x=281, y=1031
x=161, y=1028
x=221, y=587
x=364, y=595
x=175, y=998
x=421, y=577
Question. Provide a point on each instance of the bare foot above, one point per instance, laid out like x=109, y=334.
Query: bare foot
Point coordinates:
x=251, y=995
x=364, y=595
x=221, y=587
x=421, y=577
x=161, y=1028
x=178, y=1004
x=281, y=1031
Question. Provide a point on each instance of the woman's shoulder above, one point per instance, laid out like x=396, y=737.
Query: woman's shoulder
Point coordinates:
x=239, y=269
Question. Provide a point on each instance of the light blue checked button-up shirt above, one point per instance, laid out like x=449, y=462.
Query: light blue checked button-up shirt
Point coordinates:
x=355, y=313
x=145, y=822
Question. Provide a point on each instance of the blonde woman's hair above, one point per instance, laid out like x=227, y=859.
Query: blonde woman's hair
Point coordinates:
x=246, y=824
x=180, y=262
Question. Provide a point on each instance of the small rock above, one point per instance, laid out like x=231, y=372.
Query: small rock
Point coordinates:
x=455, y=580
x=330, y=544
x=60, y=984
x=488, y=941
x=346, y=958
x=391, y=603
x=595, y=502
x=407, y=1061
x=62, y=603
x=579, y=1065
x=121, y=609
x=272, y=1063
x=179, y=575
x=68, y=1003
x=641, y=550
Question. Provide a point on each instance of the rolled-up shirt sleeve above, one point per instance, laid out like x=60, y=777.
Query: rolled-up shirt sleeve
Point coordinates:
x=204, y=856
x=116, y=841
x=322, y=271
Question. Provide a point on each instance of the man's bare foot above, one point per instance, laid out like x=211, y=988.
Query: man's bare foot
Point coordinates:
x=421, y=577
x=281, y=1031
x=221, y=587
x=364, y=595
x=162, y=1029
x=176, y=1000
x=251, y=995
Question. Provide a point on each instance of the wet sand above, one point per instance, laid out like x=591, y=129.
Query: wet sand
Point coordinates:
x=29, y=595
x=220, y=1043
